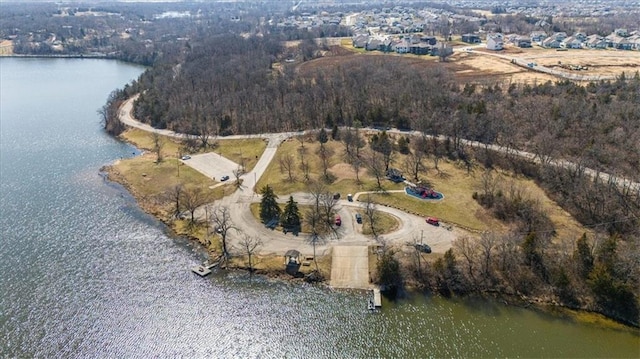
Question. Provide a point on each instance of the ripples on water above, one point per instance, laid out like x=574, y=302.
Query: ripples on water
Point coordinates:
x=86, y=274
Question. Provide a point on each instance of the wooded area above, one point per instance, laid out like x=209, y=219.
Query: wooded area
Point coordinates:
x=227, y=84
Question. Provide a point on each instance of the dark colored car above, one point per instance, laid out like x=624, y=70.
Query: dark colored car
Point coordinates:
x=224, y=178
x=358, y=218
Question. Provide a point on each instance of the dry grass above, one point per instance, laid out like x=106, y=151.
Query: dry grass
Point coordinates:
x=241, y=150
x=599, y=62
x=149, y=181
x=273, y=265
x=245, y=150
x=6, y=47
x=344, y=179
x=385, y=223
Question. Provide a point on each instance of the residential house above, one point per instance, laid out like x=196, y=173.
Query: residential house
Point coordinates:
x=401, y=47
x=471, y=38
x=621, y=32
x=595, y=42
x=523, y=41
x=360, y=41
x=580, y=36
x=571, y=42
x=373, y=44
x=431, y=40
x=551, y=43
x=420, y=49
x=538, y=36
x=495, y=42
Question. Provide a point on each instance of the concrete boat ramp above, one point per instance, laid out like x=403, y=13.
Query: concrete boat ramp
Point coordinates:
x=350, y=270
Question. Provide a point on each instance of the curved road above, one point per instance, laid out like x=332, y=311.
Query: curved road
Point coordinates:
x=411, y=226
x=274, y=242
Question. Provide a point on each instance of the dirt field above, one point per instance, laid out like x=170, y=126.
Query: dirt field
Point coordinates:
x=6, y=47
x=604, y=63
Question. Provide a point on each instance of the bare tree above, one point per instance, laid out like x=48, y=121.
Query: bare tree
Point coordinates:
x=175, y=195
x=413, y=164
x=469, y=250
x=371, y=213
x=304, y=165
x=487, y=245
x=320, y=217
x=158, y=143
x=249, y=245
x=221, y=219
x=325, y=154
x=237, y=173
x=287, y=163
x=375, y=166
x=192, y=198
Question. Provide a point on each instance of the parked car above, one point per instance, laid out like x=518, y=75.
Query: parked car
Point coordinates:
x=423, y=248
x=358, y=218
x=433, y=221
x=338, y=221
x=186, y=157
x=224, y=178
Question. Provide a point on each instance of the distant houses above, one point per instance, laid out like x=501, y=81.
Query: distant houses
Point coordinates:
x=425, y=45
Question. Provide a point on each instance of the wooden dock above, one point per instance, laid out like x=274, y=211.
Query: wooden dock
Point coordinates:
x=377, y=298
x=204, y=269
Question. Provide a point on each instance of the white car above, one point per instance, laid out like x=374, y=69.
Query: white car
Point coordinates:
x=184, y=158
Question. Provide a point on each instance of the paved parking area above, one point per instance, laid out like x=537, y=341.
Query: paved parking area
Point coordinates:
x=212, y=165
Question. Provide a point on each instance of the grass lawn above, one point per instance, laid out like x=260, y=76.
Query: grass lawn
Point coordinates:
x=385, y=223
x=345, y=179
x=247, y=150
x=458, y=207
x=150, y=182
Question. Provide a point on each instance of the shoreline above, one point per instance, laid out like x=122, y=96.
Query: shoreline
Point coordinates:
x=538, y=303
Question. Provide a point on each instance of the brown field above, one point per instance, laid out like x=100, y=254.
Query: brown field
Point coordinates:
x=469, y=67
x=604, y=63
x=6, y=47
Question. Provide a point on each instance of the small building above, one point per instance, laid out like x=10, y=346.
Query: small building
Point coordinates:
x=471, y=38
x=292, y=262
x=571, y=42
x=292, y=258
x=420, y=49
x=522, y=41
x=551, y=43
x=538, y=36
x=431, y=40
x=495, y=42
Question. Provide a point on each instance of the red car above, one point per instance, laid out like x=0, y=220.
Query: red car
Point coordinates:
x=433, y=221
x=338, y=221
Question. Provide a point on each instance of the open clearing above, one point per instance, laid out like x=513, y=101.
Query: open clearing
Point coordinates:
x=603, y=63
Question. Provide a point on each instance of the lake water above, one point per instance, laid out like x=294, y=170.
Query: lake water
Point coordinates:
x=84, y=273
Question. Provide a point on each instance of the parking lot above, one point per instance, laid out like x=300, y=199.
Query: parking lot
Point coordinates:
x=212, y=165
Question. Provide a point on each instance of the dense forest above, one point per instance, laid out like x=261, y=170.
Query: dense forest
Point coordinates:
x=233, y=85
